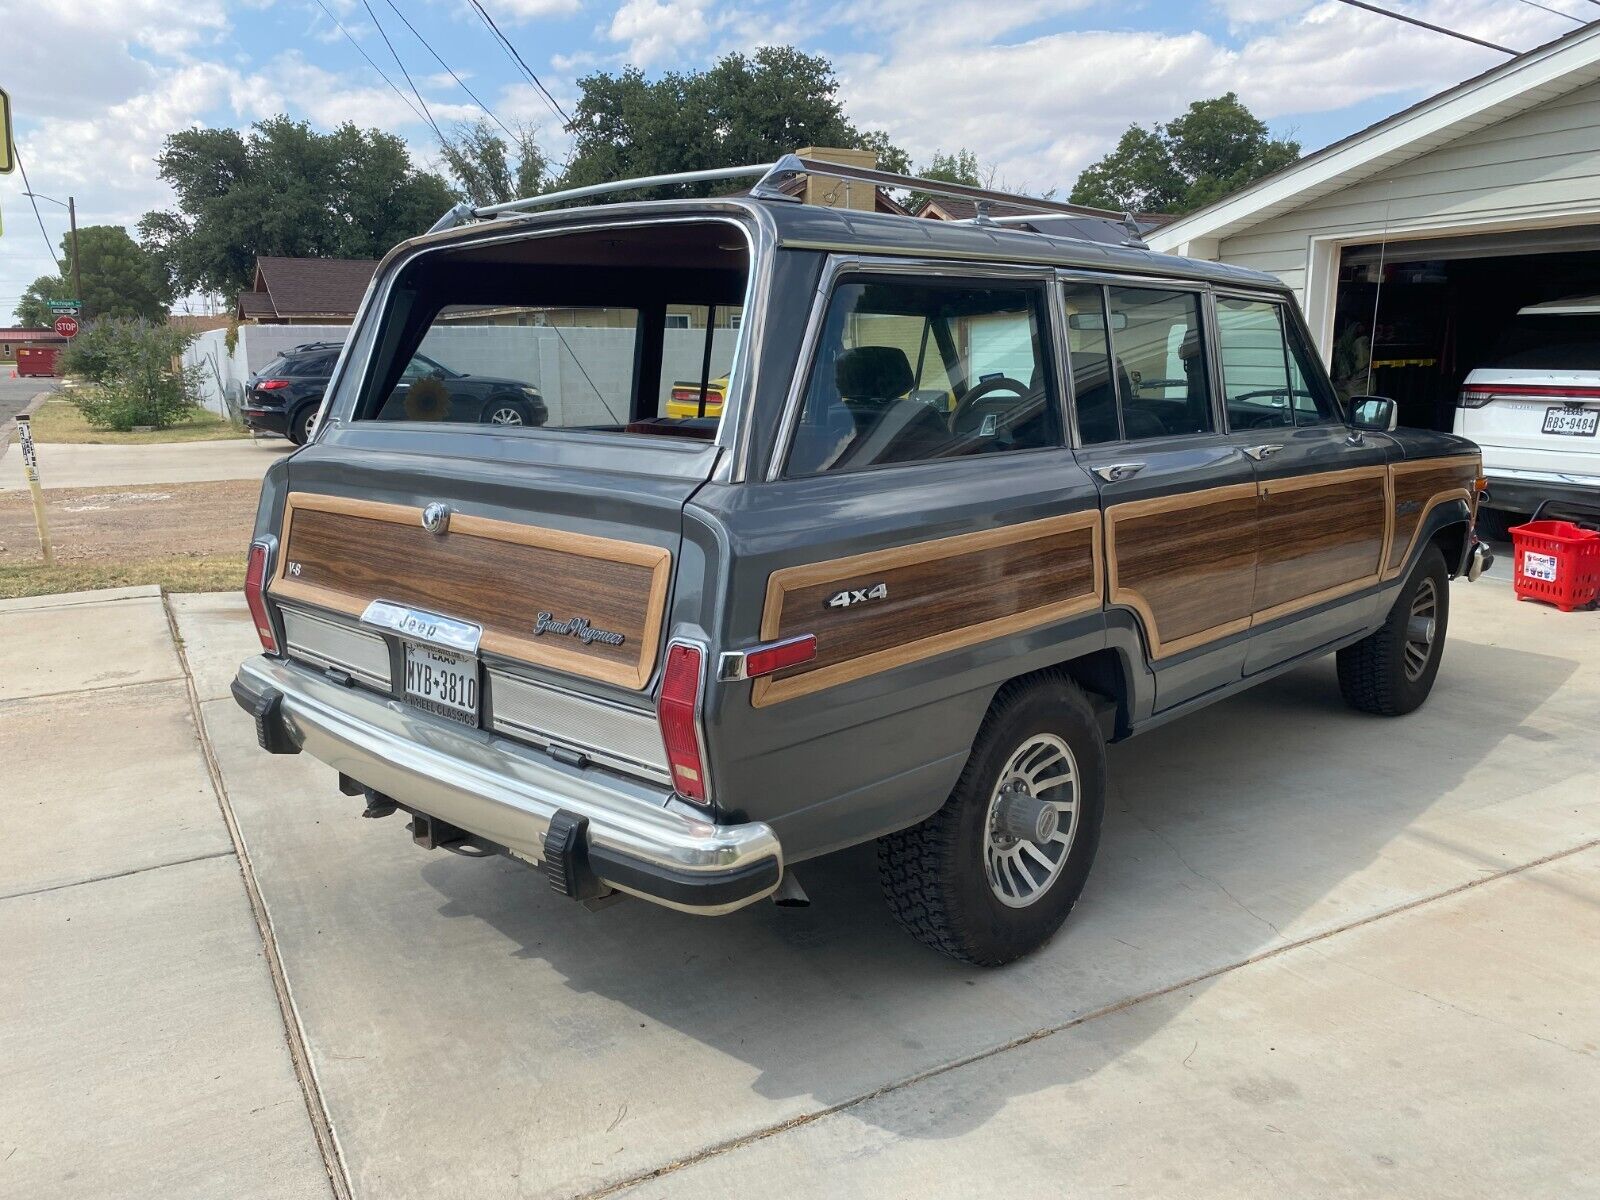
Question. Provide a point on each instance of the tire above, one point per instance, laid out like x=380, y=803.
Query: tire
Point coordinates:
x=1390, y=673
x=1494, y=524
x=506, y=410
x=300, y=425
x=937, y=876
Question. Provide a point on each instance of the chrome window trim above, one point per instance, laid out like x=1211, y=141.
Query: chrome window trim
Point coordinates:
x=840, y=264
x=753, y=224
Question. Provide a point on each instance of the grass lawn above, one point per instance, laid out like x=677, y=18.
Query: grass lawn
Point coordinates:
x=215, y=573
x=59, y=421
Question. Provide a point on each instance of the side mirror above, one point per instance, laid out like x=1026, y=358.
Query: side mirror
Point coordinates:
x=1375, y=413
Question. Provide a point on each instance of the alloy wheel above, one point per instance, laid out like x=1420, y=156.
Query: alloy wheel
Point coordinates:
x=1031, y=821
x=1421, y=628
x=505, y=415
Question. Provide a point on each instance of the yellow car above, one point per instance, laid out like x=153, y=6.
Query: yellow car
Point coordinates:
x=684, y=399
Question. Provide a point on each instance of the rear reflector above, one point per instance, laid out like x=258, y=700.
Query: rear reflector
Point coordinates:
x=764, y=660
x=678, y=713
x=255, y=594
x=272, y=385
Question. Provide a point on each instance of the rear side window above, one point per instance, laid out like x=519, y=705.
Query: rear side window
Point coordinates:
x=1268, y=379
x=1138, y=363
x=913, y=370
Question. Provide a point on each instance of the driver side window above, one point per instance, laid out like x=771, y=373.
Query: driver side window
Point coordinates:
x=912, y=370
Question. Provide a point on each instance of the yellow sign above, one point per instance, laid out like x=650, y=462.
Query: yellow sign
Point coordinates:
x=8, y=154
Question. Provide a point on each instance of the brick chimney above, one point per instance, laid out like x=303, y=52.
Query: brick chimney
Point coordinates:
x=840, y=193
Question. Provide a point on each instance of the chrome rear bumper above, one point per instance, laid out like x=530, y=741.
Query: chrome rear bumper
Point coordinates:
x=630, y=835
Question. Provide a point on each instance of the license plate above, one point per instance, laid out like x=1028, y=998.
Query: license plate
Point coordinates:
x=443, y=683
x=1539, y=566
x=1577, y=422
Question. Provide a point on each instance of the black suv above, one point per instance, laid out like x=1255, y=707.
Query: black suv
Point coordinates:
x=285, y=395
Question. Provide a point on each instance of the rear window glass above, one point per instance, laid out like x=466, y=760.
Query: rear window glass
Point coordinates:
x=628, y=331
x=1550, y=343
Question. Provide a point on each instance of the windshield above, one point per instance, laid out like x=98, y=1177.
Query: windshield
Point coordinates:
x=629, y=331
x=1549, y=343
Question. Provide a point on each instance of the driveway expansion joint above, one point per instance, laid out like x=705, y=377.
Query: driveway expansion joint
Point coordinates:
x=161, y=866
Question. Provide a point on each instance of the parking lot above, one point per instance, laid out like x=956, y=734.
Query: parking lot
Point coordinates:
x=1320, y=953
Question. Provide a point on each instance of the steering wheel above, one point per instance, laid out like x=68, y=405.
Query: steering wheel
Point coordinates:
x=1000, y=383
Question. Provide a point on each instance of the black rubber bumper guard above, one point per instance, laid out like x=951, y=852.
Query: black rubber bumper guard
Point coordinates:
x=573, y=866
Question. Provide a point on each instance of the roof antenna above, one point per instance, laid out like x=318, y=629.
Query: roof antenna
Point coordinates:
x=1377, y=294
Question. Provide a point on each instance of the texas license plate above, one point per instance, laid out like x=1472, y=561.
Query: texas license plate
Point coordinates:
x=443, y=683
x=1578, y=422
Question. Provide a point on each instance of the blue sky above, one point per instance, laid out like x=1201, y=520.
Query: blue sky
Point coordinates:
x=1037, y=88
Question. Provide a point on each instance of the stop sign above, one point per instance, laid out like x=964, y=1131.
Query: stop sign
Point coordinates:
x=67, y=326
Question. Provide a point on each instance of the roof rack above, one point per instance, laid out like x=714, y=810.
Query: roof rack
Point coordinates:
x=771, y=180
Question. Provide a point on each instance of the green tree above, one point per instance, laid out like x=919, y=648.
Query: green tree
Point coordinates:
x=481, y=161
x=283, y=188
x=959, y=167
x=744, y=109
x=129, y=374
x=32, y=312
x=1216, y=147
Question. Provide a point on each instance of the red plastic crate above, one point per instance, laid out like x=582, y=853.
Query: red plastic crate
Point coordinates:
x=1565, y=568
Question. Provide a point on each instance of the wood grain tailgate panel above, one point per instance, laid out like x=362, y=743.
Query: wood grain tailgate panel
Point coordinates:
x=343, y=554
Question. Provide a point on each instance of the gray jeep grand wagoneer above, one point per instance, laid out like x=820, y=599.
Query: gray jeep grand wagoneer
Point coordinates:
x=973, y=500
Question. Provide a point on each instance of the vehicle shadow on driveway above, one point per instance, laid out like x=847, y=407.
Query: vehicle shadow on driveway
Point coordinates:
x=1269, y=818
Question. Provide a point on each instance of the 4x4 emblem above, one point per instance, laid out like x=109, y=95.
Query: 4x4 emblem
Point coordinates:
x=844, y=599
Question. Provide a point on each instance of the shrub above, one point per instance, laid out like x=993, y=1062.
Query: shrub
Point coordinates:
x=132, y=374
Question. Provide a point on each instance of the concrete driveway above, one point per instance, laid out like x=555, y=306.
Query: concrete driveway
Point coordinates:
x=68, y=465
x=1320, y=954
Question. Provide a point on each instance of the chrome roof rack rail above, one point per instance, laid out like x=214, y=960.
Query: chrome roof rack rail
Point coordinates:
x=792, y=165
x=771, y=181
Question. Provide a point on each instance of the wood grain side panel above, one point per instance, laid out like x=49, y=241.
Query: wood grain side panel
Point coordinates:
x=1419, y=487
x=1319, y=535
x=942, y=595
x=1186, y=564
x=343, y=554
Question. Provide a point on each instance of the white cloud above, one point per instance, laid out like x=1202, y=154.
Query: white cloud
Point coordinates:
x=517, y=12
x=656, y=31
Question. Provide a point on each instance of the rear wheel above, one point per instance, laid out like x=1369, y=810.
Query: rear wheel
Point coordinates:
x=303, y=424
x=1390, y=672
x=993, y=874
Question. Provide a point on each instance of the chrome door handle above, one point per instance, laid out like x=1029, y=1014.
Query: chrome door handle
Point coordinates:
x=1119, y=471
x=1260, y=452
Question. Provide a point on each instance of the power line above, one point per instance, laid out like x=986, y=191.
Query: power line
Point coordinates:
x=49, y=246
x=517, y=58
x=1556, y=11
x=403, y=98
x=489, y=112
x=395, y=54
x=1465, y=37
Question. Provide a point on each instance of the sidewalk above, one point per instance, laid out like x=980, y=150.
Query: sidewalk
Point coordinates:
x=69, y=465
x=145, y=1053
x=1321, y=954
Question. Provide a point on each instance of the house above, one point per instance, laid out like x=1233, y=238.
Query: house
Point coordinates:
x=1413, y=243
x=305, y=291
x=15, y=338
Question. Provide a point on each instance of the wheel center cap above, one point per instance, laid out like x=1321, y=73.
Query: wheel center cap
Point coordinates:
x=1025, y=817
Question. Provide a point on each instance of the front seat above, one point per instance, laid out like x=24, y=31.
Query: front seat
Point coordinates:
x=873, y=382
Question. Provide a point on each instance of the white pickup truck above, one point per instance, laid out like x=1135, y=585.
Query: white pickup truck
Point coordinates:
x=1534, y=408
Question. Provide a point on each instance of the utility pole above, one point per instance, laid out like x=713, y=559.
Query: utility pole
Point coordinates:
x=72, y=224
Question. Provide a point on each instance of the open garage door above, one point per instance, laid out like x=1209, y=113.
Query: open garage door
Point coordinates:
x=1414, y=317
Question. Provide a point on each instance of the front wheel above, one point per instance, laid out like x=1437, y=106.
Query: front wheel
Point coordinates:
x=507, y=412
x=993, y=874
x=1390, y=673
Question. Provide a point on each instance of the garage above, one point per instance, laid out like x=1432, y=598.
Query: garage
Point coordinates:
x=1460, y=234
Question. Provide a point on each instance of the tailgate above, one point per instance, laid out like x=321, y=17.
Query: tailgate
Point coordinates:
x=565, y=565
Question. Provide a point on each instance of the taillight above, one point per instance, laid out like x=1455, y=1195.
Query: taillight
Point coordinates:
x=687, y=395
x=1474, y=398
x=272, y=385
x=255, y=593
x=678, y=713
